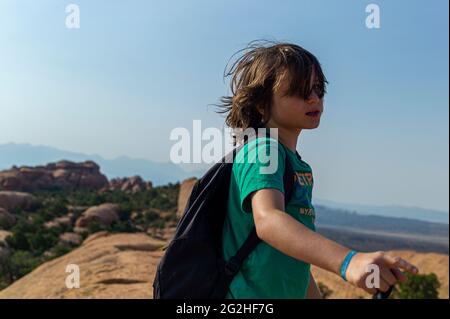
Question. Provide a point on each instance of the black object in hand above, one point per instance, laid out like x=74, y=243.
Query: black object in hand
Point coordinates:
x=383, y=295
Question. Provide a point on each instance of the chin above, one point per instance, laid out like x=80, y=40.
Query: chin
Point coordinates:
x=311, y=126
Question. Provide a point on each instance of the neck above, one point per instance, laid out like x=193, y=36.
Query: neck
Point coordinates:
x=288, y=137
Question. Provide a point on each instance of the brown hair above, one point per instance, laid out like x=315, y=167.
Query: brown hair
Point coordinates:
x=259, y=72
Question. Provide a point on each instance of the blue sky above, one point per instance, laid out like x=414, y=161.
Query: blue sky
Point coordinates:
x=137, y=69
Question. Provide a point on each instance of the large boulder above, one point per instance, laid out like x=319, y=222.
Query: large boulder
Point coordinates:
x=183, y=196
x=16, y=200
x=70, y=238
x=124, y=265
x=104, y=214
x=60, y=221
x=131, y=184
x=60, y=175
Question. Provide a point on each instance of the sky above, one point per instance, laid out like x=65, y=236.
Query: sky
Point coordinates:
x=135, y=70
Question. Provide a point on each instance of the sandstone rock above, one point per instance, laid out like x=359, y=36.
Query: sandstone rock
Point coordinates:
x=104, y=214
x=166, y=233
x=183, y=197
x=60, y=175
x=70, y=238
x=111, y=266
x=60, y=221
x=16, y=200
x=132, y=184
x=80, y=230
x=3, y=235
x=95, y=236
x=6, y=218
x=124, y=265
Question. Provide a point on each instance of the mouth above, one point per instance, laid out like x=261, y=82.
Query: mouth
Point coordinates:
x=313, y=113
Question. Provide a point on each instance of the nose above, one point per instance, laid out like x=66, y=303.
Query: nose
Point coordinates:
x=313, y=98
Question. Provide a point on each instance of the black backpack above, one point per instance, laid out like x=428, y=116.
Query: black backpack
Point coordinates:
x=193, y=266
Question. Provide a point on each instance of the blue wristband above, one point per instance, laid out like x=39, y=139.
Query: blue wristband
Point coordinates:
x=346, y=262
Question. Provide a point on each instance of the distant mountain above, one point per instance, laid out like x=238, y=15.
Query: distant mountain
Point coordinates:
x=157, y=172
x=418, y=213
x=332, y=217
x=372, y=241
x=371, y=232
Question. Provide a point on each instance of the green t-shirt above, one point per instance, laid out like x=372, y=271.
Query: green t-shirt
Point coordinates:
x=267, y=272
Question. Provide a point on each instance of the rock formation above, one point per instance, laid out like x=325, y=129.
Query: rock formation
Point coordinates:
x=70, y=238
x=124, y=265
x=60, y=221
x=60, y=175
x=16, y=200
x=104, y=214
x=132, y=184
x=183, y=197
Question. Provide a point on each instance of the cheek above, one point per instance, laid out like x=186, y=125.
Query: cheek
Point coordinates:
x=293, y=107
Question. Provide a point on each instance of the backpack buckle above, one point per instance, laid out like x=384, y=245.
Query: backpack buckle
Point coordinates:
x=231, y=267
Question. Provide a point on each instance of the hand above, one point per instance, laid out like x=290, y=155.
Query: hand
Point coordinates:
x=389, y=266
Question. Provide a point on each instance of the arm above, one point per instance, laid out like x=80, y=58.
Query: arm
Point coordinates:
x=278, y=229
x=313, y=289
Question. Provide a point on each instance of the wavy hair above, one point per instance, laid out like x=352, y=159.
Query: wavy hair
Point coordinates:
x=259, y=72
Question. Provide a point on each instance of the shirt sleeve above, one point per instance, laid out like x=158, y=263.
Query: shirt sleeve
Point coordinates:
x=258, y=165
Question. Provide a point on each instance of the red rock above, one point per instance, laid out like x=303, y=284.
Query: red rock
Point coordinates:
x=60, y=175
x=185, y=191
x=131, y=184
x=16, y=200
x=104, y=214
x=70, y=238
x=60, y=221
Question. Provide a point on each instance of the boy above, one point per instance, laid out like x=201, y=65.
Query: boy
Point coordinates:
x=282, y=86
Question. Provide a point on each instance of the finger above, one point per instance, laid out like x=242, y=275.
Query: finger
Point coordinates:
x=401, y=277
x=388, y=276
x=371, y=290
x=384, y=286
x=400, y=263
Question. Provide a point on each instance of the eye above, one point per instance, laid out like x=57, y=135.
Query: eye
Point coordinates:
x=318, y=89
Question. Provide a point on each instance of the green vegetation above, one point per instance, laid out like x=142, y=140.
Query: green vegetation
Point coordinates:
x=418, y=287
x=32, y=243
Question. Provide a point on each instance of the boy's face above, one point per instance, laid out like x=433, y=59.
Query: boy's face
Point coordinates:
x=293, y=112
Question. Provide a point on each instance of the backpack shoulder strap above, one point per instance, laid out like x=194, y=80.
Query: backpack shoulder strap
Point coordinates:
x=233, y=265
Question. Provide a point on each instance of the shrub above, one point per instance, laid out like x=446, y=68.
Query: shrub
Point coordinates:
x=17, y=265
x=418, y=287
